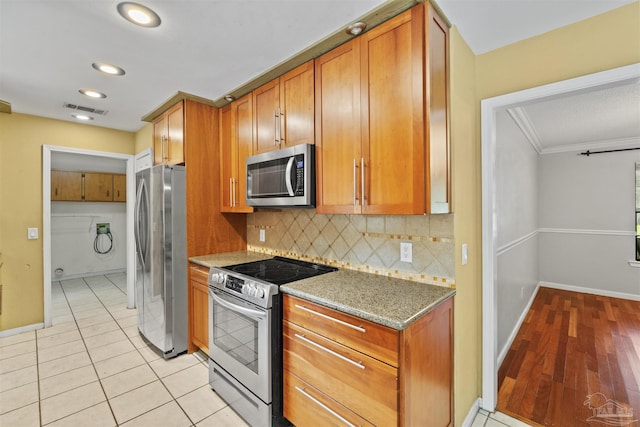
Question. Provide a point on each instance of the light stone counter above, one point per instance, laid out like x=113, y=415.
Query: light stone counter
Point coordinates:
x=395, y=303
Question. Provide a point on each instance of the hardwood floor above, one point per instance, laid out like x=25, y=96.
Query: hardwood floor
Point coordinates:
x=570, y=347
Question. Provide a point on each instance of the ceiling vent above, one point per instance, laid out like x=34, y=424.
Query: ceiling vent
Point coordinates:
x=85, y=109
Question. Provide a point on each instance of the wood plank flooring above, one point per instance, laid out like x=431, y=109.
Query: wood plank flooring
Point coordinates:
x=572, y=346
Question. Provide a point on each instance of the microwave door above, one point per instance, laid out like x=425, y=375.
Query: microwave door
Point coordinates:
x=289, y=177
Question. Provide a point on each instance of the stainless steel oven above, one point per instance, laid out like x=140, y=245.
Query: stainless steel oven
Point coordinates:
x=245, y=335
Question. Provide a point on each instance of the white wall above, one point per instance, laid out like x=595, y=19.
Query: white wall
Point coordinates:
x=587, y=222
x=516, y=211
x=73, y=230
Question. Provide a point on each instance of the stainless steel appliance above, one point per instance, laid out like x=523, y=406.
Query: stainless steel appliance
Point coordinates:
x=282, y=177
x=161, y=258
x=245, y=335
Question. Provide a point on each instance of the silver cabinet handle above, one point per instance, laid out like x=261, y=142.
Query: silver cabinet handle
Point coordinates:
x=276, y=139
x=333, y=319
x=328, y=350
x=355, y=184
x=323, y=406
x=230, y=192
x=281, y=128
x=363, y=198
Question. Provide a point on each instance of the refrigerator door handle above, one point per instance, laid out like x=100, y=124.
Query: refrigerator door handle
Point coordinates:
x=140, y=234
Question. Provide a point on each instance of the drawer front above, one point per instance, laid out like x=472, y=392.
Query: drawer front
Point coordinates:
x=377, y=341
x=361, y=383
x=199, y=274
x=305, y=406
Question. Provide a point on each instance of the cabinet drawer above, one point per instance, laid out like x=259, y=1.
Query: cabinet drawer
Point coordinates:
x=367, y=337
x=359, y=382
x=200, y=274
x=305, y=406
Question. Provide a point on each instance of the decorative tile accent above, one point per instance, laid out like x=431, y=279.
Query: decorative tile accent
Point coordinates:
x=369, y=243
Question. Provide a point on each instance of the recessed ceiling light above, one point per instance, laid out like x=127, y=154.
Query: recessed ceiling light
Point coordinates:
x=110, y=69
x=138, y=14
x=357, y=28
x=82, y=117
x=92, y=93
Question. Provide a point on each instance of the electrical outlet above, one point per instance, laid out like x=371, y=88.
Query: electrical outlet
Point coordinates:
x=406, y=252
x=465, y=254
x=522, y=292
x=262, y=235
x=32, y=233
x=103, y=228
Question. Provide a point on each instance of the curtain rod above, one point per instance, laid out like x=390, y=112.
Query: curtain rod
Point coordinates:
x=588, y=153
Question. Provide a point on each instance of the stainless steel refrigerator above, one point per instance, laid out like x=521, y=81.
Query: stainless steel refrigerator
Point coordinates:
x=161, y=258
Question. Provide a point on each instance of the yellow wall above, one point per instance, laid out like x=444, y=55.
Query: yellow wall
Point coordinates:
x=21, y=140
x=600, y=43
x=144, y=138
x=466, y=178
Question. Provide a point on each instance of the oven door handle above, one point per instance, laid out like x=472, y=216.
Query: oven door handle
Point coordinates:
x=256, y=314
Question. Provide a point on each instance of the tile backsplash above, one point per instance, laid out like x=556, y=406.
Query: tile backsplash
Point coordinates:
x=368, y=243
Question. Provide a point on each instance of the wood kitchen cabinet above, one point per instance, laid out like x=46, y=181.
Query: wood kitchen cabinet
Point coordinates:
x=375, y=99
x=168, y=136
x=340, y=366
x=98, y=187
x=88, y=186
x=119, y=188
x=283, y=110
x=66, y=186
x=198, y=309
x=236, y=144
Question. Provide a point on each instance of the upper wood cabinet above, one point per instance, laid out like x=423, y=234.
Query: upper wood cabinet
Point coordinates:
x=236, y=144
x=373, y=119
x=66, y=186
x=168, y=136
x=88, y=186
x=98, y=187
x=283, y=110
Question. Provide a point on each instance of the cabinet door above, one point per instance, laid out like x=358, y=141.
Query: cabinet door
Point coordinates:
x=297, y=106
x=119, y=188
x=200, y=315
x=438, y=187
x=393, y=116
x=338, y=131
x=159, y=139
x=243, y=125
x=98, y=187
x=66, y=186
x=266, y=117
x=175, y=132
x=226, y=159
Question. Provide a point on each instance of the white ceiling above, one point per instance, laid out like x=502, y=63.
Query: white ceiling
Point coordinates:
x=209, y=47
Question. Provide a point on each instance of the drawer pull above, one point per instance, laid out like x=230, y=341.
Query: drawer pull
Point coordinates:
x=357, y=328
x=321, y=347
x=323, y=406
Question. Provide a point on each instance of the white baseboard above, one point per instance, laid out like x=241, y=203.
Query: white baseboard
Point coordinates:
x=516, y=328
x=88, y=274
x=471, y=415
x=21, y=329
x=601, y=292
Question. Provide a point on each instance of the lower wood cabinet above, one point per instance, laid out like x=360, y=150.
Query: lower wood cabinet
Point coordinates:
x=198, y=309
x=338, y=368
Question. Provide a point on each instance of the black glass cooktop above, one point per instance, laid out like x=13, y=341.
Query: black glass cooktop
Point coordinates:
x=279, y=270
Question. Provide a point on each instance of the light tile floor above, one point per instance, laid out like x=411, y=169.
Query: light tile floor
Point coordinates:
x=92, y=368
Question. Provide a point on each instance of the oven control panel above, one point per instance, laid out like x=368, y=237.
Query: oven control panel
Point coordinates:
x=238, y=285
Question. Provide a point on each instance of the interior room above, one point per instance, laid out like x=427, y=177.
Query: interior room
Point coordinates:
x=497, y=243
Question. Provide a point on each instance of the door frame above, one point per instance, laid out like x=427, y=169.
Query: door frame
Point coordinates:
x=489, y=107
x=47, y=151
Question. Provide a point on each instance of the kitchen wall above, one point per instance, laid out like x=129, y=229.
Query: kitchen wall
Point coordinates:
x=587, y=222
x=73, y=233
x=516, y=211
x=368, y=243
x=21, y=140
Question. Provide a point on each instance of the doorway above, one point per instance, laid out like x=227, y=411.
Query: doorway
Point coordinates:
x=48, y=152
x=489, y=112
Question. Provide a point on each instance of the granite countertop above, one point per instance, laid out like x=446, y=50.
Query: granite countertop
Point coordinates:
x=391, y=302
x=395, y=303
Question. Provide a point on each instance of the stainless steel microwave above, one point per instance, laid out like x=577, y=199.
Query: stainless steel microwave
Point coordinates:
x=283, y=177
